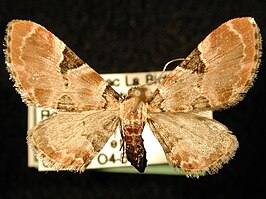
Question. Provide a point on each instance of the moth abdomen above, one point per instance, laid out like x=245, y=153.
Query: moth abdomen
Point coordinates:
x=136, y=154
x=135, y=151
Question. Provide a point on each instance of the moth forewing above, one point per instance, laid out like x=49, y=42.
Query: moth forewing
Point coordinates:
x=217, y=73
x=49, y=74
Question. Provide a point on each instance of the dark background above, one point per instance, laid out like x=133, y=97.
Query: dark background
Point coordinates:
x=128, y=36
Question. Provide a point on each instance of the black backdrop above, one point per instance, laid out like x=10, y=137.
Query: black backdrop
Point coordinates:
x=129, y=36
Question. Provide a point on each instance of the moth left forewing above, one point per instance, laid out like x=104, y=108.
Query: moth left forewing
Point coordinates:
x=49, y=74
x=193, y=143
x=70, y=140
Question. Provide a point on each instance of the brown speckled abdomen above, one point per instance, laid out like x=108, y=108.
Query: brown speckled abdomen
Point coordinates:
x=135, y=151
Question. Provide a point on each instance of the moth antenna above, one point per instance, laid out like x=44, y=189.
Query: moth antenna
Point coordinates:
x=164, y=68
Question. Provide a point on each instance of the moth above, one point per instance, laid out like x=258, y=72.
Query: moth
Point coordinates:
x=214, y=76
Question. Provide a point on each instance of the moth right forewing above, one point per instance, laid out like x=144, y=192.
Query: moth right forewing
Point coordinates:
x=217, y=73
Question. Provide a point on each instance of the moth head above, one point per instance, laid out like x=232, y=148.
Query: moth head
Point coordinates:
x=141, y=93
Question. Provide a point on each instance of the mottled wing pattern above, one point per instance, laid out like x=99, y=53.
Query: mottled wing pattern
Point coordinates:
x=70, y=140
x=216, y=74
x=193, y=143
x=48, y=74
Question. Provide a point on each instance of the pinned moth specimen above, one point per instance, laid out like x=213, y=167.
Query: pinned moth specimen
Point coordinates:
x=214, y=76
